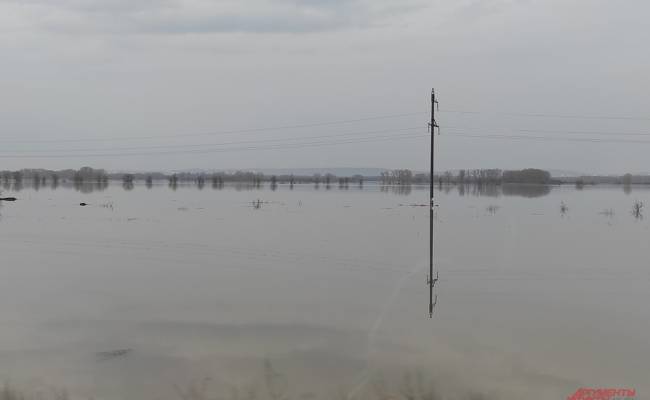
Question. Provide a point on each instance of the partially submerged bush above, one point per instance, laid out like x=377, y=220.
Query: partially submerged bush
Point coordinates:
x=637, y=209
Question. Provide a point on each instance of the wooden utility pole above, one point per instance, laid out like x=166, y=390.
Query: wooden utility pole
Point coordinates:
x=432, y=127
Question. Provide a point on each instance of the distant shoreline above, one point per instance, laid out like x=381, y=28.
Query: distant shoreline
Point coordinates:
x=387, y=177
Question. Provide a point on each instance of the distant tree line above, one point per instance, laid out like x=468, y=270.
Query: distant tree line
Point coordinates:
x=100, y=177
x=626, y=179
x=95, y=175
x=397, y=177
x=87, y=175
x=467, y=176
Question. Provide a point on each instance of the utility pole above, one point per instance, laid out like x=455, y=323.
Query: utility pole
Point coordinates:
x=431, y=281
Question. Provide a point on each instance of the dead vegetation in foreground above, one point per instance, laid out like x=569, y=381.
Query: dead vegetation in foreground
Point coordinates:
x=275, y=385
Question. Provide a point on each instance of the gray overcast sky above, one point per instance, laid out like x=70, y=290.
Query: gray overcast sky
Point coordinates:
x=171, y=76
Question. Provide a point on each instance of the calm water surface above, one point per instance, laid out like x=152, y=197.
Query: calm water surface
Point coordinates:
x=322, y=293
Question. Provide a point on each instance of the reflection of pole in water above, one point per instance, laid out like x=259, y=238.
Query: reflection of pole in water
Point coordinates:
x=365, y=375
x=432, y=127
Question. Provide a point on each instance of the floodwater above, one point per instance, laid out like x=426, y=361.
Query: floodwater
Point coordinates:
x=321, y=294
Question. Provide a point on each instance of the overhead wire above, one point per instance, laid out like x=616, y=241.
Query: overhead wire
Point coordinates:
x=223, y=132
x=551, y=115
x=222, y=150
x=324, y=123
x=547, y=138
x=195, y=145
x=286, y=143
x=560, y=131
x=276, y=144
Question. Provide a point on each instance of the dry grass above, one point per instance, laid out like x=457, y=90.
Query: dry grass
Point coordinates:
x=274, y=385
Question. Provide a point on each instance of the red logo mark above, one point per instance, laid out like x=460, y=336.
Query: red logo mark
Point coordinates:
x=603, y=394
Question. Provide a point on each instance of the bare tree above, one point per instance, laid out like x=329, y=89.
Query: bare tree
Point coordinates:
x=328, y=180
x=461, y=176
x=17, y=177
x=173, y=181
x=127, y=181
x=637, y=209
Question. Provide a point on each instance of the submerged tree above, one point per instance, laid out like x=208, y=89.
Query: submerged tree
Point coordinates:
x=637, y=209
x=36, y=181
x=627, y=179
x=127, y=178
x=328, y=180
x=17, y=177
x=217, y=181
x=627, y=183
x=563, y=208
x=580, y=183
x=127, y=181
x=359, y=179
x=492, y=209
x=173, y=181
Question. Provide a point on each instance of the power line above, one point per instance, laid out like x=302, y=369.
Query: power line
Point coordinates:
x=176, y=146
x=548, y=138
x=210, y=147
x=225, y=150
x=563, y=132
x=289, y=139
x=335, y=122
x=322, y=123
x=549, y=115
x=225, y=132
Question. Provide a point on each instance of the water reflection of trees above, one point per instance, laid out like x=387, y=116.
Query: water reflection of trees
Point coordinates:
x=88, y=187
x=627, y=188
x=496, y=190
x=403, y=190
x=529, y=191
x=127, y=181
x=36, y=182
x=246, y=186
x=217, y=185
x=174, y=183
